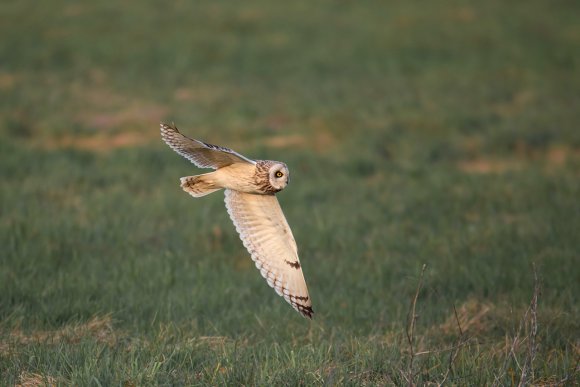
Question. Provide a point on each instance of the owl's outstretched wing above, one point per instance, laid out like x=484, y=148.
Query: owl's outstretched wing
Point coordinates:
x=202, y=154
x=265, y=233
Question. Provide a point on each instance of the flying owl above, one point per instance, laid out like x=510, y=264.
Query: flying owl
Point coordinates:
x=250, y=188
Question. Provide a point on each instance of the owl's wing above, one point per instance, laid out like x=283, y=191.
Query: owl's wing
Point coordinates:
x=265, y=233
x=198, y=152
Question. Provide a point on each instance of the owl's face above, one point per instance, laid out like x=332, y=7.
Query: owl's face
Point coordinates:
x=278, y=175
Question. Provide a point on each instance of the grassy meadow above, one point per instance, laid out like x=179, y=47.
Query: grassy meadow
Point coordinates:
x=444, y=134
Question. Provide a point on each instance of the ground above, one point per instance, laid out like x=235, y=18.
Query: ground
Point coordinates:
x=434, y=149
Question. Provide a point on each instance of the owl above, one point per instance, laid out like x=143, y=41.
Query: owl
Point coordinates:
x=250, y=187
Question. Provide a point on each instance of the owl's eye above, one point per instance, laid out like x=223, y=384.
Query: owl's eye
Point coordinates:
x=279, y=174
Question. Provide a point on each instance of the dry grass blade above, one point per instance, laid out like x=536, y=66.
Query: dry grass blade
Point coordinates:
x=528, y=369
x=529, y=322
x=29, y=379
x=410, y=331
x=455, y=350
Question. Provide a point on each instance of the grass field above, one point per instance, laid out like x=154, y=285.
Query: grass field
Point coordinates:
x=444, y=134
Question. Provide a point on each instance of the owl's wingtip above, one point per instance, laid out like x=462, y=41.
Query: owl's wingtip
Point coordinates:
x=166, y=126
x=306, y=311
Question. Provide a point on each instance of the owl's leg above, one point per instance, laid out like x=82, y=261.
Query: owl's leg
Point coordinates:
x=200, y=185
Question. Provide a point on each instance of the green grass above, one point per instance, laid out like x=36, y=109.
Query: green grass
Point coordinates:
x=438, y=133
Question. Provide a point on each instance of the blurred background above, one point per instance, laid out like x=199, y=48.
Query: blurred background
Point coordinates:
x=440, y=133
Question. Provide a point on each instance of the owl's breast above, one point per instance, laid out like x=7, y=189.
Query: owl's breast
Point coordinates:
x=243, y=178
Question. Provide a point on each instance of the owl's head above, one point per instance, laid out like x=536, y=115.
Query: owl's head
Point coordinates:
x=278, y=175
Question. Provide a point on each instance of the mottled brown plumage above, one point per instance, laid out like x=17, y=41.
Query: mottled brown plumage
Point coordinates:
x=262, y=179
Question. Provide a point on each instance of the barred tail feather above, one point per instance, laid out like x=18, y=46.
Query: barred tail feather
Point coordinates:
x=198, y=186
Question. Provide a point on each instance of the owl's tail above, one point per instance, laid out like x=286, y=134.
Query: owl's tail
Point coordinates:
x=198, y=186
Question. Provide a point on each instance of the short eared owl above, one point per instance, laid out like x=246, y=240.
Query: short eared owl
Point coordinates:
x=250, y=186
